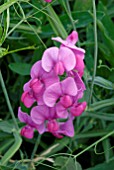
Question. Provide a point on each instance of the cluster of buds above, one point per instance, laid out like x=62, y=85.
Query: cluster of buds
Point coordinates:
x=56, y=86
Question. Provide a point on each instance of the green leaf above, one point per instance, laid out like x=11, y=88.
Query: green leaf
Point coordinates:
x=13, y=149
x=67, y=163
x=7, y=5
x=101, y=104
x=6, y=26
x=103, y=166
x=5, y=126
x=82, y=5
x=106, y=20
x=100, y=81
x=20, y=68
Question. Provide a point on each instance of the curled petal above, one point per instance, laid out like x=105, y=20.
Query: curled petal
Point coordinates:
x=80, y=65
x=52, y=126
x=49, y=58
x=27, y=131
x=79, y=109
x=66, y=101
x=25, y=118
x=36, y=85
x=27, y=99
x=36, y=70
x=72, y=38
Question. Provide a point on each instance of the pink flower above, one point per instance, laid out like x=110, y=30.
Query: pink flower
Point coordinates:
x=28, y=130
x=47, y=116
x=48, y=0
x=59, y=60
x=79, y=52
x=56, y=97
x=62, y=91
x=78, y=109
x=40, y=80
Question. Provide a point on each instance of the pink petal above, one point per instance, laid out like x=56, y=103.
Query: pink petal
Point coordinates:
x=36, y=69
x=66, y=101
x=67, y=128
x=27, y=99
x=36, y=85
x=39, y=114
x=26, y=86
x=69, y=86
x=72, y=38
x=59, y=68
x=27, y=132
x=67, y=57
x=79, y=109
x=52, y=126
x=41, y=128
x=51, y=94
x=49, y=58
x=58, y=39
x=48, y=0
x=25, y=118
x=50, y=78
x=65, y=43
x=61, y=111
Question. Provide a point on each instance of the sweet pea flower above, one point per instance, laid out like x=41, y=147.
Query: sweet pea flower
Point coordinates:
x=79, y=52
x=62, y=91
x=48, y=0
x=40, y=79
x=47, y=116
x=28, y=130
x=59, y=60
x=79, y=83
x=78, y=109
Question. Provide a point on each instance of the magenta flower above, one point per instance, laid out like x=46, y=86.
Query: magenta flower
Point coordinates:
x=59, y=60
x=62, y=91
x=40, y=80
x=48, y=0
x=78, y=109
x=28, y=130
x=48, y=117
x=79, y=52
x=56, y=97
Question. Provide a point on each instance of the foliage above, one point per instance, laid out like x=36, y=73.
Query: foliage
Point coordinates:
x=26, y=29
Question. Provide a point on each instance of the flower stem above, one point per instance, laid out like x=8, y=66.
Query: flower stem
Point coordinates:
x=95, y=50
x=36, y=146
x=70, y=15
x=95, y=143
x=8, y=101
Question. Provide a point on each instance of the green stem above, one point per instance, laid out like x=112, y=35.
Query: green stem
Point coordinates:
x=95, y=143
x=70, y=15
x=8, y=101
x=56, y=23
x=36, y=146
x=95, y=50
x=7, y=5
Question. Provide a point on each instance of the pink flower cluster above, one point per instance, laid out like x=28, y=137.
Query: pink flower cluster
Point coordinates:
x=56, y=86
